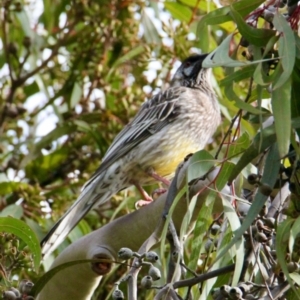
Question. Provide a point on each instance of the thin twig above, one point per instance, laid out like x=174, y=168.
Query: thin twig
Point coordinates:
x=203, y=277
x=238, y=114
x=256, y=254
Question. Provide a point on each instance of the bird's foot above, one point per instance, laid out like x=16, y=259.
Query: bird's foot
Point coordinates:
x=158, y=192
x=142, y=203
x=146, y=198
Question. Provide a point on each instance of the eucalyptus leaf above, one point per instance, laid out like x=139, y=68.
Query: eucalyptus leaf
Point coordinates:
x=220, y=57
x=151, y=33
x=282, y=238
x=179, y=11
x=269, y=177
x=200, y=163
x=255, y=36
x=294, y=233
x=281, y=105
x=200, y=230
x=24, y=232
x=13, y=210
x=287, y=49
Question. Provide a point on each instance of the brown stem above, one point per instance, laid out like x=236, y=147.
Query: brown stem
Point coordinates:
x=195, y=8
x=234, y=119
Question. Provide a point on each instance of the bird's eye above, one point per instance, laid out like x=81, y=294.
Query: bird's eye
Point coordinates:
x=187, y=64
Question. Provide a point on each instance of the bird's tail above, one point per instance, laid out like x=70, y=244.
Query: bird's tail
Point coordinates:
x=86, y=201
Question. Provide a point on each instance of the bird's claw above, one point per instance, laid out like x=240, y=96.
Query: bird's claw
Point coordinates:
x=142, y=203
x=158, y=192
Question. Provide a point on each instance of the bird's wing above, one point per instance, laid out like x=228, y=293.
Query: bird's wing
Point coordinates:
x=152, y=117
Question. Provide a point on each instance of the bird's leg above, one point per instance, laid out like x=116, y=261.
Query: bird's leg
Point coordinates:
x=147, y=199
x=157, y=177
x=156, y=193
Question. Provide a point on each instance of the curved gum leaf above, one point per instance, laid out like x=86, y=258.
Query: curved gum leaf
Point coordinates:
x=25, y=233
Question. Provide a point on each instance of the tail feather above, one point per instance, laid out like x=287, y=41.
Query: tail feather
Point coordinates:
x=86, y=201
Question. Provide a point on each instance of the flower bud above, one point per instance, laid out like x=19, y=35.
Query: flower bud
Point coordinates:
x=16, y=291
x=125, y=253
x=253, y=178
x=292, y=267
x=9, y=295
x=216, y=294
x=224, y=290
x=208, y=246
x=261, y=237
x=215, y=229
x=25, y=286
x=235, y=293
x=26, y=42
x=147, y=282
x=117, y=294
x=175, y=255
x=151, y=256
x=270, y=222
x=245, y=287
x=154, y=273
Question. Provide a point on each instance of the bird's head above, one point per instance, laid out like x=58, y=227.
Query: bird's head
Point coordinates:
x=190, y=72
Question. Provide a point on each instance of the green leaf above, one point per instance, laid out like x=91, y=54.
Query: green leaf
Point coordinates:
x=269, y=177
x=128, y=56
x=24, y=232
x=294, y=232
x=179, y=11
x=235, y=224
x=238, y=75
x=295, y=92
x=76, y=95
x=239, y=145
x=200, y=230
x=52, y=136
x=282, y=239
x=222, y=14
x=257, y=37
x=31, y=89
x=200, y=163
x=223, y=175
x=220, y=57
x=287, y=49
x=150, y=31
x=295, y=277
x=261, y=142
x=46, y=166
x=272, y=167
x=25, y=23
x=281, y=105
x=8, y=187
x=13, y=210
x=203, y=38
x=262, y=74
x=247, y=107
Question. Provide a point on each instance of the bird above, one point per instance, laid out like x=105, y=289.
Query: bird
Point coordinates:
x=172, y=124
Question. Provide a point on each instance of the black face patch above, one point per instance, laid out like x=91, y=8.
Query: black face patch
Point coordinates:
x=192, y=66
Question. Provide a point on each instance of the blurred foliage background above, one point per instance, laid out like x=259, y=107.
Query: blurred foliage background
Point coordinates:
x=73, y=73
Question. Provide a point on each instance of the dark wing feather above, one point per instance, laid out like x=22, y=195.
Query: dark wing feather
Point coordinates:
x=152, y=117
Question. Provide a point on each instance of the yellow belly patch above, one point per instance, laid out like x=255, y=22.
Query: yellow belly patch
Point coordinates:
x=166, y=164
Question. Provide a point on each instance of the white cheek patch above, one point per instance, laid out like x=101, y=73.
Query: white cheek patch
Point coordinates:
x=188, y=71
